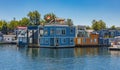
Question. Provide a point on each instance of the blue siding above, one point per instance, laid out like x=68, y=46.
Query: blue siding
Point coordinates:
x=106, y=35
x=57, y=36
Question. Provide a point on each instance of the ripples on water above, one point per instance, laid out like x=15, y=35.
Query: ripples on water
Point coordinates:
x=14, y=58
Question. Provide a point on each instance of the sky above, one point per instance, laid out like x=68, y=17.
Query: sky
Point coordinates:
x=82, y=12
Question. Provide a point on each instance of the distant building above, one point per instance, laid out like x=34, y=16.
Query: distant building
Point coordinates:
x=81, y=31
x=106, y=36
x=86, y=37
x=9, y=38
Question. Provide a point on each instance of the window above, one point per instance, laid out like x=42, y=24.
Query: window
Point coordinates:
x=52, y=31
x=41, y=40
x=63, y=31
x=30, y=33
x=45, y=32
x=71, y=40
x=95, y=40
x=23, y=32
x=19, y=32
x=58, y=31
x=41, y=32
x=46, y=41
x=63, y=40
x=84, y=40
x=71, y=30
x=91, y=40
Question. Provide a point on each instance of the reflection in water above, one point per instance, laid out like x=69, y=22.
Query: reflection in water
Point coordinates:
x=115, y=53
x=14, y=58
x=86, y=51
x=48, y=52
x=33, y=52
x=62, y=53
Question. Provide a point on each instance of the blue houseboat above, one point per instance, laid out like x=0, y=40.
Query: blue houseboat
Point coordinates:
x=56, y=35
x=106, y=36
x=21, y=36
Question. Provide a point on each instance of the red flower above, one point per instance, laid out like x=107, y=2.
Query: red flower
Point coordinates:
x=48, y=17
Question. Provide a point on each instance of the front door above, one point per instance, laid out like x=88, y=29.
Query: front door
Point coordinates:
x=57, y=42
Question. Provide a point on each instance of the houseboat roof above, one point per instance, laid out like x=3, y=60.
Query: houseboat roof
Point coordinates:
x=117, y=37
x=19, y=27
x=89, y=31
x=9, y=35
x=55, y=25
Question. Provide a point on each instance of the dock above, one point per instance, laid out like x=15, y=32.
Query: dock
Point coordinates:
x=90, y=45
x=114, y=48
x=8, y=42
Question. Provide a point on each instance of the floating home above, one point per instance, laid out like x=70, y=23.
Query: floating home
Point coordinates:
x=107, y=36
x=115, y=44
x=21, y=36
x=57, y=35
x=84, y=38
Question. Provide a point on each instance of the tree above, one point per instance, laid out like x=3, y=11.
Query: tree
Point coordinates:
x=49, y=17
x=98, y=25
x=88, y=27
x=34, y=17
x=102, y=24
x=13, y=24
x=4, y=29
x=113, y=27
x=24, y=22
x=42, y=22
x=69, y=22
x=95, y=25
x=1, y=24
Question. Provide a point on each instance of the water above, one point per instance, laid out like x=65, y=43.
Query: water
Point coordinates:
x=14, y=58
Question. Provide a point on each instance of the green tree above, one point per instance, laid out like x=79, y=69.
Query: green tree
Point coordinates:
x=34, y=17
x=49, y=17
x=42, y=22
x=13, y=24
x=113, y=27
x=98, y=25
x=95, y=25
x=102, y=24
x=1, y=24
x=24, y=22
x=69, y=22
x=88, y=27
x=4, y=29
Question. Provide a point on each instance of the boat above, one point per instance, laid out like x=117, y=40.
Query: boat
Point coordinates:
x=115, y=45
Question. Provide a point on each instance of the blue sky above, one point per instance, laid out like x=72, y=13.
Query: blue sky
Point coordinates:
x=82, y=12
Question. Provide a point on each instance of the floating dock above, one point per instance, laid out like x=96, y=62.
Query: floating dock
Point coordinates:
x=114, y=48
x=8, y=42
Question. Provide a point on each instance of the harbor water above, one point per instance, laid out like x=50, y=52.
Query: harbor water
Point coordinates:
x=14, y=58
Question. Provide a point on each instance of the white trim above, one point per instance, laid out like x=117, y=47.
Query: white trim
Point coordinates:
x=58, y=25
x=57, y=37
x=58, y=46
